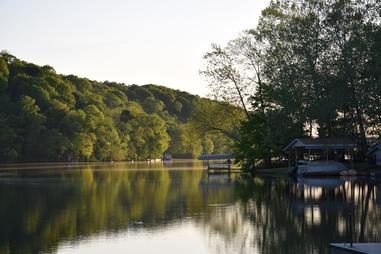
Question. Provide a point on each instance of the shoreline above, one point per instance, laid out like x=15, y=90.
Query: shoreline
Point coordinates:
x=362, y=169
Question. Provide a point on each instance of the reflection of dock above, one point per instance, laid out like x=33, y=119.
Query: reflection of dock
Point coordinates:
x=345, y=248
x=215, y=181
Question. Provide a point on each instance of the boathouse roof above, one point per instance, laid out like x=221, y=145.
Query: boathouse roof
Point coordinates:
x=206, y=157
x=320, y=143
x=373, y=149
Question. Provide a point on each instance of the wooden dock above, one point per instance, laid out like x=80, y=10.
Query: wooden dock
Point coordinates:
x=357, y=248
x=219, y=163
x=219, y=166
x=222, y=168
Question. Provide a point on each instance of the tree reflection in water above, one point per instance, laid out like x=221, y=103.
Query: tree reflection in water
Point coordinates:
x=41, y=209
x=284, y=216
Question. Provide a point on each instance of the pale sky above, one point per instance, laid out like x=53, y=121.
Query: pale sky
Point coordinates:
x=132, y=41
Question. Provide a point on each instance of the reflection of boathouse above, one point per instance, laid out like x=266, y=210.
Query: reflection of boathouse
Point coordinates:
x=309, y=196
x=317, y=198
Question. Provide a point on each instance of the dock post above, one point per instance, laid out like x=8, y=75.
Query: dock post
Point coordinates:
x=349, y=222
x=350, y=229
x=289, y=160
x=352, y=155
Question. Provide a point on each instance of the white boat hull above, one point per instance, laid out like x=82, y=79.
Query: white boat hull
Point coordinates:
x=320, y=168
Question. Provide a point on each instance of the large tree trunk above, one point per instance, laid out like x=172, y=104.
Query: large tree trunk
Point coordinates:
x=362, y=138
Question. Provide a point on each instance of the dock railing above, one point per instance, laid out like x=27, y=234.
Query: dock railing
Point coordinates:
x=218, y=163
x=219, y=166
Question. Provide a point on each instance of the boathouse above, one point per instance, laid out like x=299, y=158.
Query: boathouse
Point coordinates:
x=338, y=149
x=374, y=155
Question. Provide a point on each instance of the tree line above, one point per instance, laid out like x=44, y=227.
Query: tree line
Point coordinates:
x=308, y=69
x=45, y=116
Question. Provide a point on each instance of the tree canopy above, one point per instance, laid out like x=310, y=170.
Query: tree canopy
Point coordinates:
x=309, y=68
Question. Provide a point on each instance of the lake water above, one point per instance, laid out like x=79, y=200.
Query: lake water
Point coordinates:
x=176, y=208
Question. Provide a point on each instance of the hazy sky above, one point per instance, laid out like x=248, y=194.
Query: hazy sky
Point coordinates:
x=130, y=41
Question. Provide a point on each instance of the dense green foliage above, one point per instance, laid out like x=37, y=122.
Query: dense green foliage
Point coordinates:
x=310, y=68
x=45, y=116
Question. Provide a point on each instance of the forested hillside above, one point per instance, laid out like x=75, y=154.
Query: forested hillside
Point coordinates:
x=45, y=116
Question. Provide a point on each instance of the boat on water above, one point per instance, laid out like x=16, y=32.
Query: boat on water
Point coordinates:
x=166, y=157
x=318, y=168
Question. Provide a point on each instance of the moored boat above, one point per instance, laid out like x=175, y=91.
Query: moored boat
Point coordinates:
x=166, y=157
x=310, y=168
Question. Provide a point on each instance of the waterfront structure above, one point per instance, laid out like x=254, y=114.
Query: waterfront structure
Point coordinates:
x=319, y=156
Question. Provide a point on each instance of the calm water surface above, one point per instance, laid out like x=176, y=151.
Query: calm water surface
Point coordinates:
x=176, y=208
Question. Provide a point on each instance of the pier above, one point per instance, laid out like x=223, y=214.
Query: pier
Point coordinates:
x=219, y=163
x=361, y=248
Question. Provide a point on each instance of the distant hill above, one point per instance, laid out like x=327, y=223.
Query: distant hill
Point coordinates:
x=45, y=116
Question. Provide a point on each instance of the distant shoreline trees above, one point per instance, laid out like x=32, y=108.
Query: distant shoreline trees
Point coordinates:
x=45, y=117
